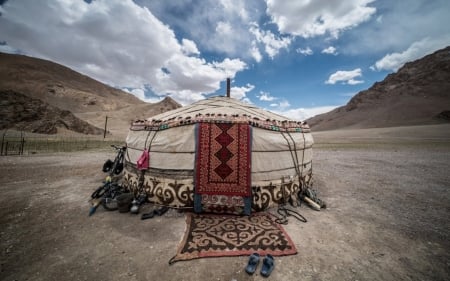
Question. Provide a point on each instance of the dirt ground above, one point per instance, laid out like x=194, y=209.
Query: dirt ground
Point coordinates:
x=388, y=218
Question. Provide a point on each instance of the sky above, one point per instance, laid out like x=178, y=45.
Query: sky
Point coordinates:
x=298, y=58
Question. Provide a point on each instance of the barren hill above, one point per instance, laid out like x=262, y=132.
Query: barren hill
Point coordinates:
x=60, y=89
x=417, y=94
x=21, y=112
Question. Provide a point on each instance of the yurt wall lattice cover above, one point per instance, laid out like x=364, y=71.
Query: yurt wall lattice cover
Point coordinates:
x=220, y=155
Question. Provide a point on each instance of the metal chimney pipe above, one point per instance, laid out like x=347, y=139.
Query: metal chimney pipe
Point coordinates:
x=228, y=87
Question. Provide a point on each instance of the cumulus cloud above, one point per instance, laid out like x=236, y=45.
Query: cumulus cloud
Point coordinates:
x=116, y=42
x=216, y=26
x=312, y=18
x=307, y=51
x=272, y=43
x=302, y=114
x=189, y=47
x=393, y=61
x=397, y=25
x=346, y=77
x=281, y=106
x=256, y=54
x=264, y=96
x=240, y=93
x=140, y=93
x=7, y=49
x=330, y=50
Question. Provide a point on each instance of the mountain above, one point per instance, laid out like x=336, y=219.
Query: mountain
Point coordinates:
x=20, y=112
x=57, y=89
x=417, y=94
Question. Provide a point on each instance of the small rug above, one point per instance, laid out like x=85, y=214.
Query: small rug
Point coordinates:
x=222, y=165
x=225, y=235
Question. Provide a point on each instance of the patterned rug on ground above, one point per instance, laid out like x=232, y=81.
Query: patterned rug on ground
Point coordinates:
x=209, y=235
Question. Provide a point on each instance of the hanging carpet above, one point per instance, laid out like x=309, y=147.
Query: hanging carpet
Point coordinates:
x=223, y=167
x=209, y=235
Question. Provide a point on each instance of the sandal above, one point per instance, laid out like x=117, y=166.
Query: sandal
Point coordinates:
x=158, y=212
x=252, y=263
x=267, y=266
x=148, y=215
x=161, y=211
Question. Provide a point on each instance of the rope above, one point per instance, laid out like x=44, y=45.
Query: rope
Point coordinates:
x=290, y=151
x=285, y=213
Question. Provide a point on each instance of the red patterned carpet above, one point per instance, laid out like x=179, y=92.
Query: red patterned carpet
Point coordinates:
x=223, y=159
x=225, y=235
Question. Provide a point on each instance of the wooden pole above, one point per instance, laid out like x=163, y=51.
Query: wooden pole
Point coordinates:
x=228, y=87
x=106, y=122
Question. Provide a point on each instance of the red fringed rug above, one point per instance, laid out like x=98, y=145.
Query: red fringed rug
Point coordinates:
x=225, y=235
x=223, y=159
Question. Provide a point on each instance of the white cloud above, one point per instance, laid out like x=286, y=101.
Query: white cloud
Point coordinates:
x=189, y=47
x=330, y=50
x=307, y=51
x=393, y=61
x=7, y=49
x=397, y=25
x=241, y=92
x=346, y=77
x=255, y=52
x=272, y=43
x=224, y=28
x=216, y=26
x=140, y=93
x=312, y=18
x=354, y=82
x=116, y=42
x=264, y=96
x=302, y=114
x=281, y=106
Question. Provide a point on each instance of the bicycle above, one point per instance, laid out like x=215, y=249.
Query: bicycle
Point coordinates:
x=116, y=166
x=106, y=195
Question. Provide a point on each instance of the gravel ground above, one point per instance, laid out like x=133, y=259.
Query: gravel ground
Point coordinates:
x=388, y=218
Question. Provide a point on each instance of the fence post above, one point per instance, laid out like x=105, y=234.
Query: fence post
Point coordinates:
x=3, y=140
x=106, y=122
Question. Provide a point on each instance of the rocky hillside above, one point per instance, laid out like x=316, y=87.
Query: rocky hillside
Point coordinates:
x=58, y=85
x=417, y=94
x=36, y=84
x=22, y=113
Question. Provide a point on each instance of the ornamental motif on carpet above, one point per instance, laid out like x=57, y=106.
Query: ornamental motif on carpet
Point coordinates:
x=225, y=235
x=223, y=159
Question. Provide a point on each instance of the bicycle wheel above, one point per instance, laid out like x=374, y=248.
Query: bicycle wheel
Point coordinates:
x=109, y=201
x=98, y=192
x=110, y=204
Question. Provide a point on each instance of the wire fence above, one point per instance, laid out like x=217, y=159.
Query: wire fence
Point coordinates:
x=22, y=143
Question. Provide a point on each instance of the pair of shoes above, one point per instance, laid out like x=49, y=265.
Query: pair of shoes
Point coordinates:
x=267, y=265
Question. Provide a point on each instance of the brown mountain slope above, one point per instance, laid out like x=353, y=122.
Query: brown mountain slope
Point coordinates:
x=22, y=113
x=119, y=120
x=418, y=94
x=60, y=88
x=58, y=85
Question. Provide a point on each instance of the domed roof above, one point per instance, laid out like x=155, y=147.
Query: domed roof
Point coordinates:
x=220, y=109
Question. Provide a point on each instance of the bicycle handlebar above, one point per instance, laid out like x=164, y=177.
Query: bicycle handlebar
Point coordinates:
x=118, y=147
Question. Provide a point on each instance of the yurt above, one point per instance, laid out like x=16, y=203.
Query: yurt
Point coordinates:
x=219, y=155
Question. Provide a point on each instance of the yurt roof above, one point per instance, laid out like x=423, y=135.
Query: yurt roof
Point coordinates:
x=220, y=109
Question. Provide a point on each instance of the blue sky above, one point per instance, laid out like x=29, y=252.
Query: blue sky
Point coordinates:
x=298, y=58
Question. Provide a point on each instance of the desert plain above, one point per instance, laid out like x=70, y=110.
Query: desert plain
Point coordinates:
x=387, y=218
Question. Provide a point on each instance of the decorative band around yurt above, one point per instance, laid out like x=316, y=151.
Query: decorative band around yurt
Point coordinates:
x=273, y=125
x=178, y=191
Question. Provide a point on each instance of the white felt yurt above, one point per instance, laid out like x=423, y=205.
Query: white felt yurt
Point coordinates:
x=219, y=155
